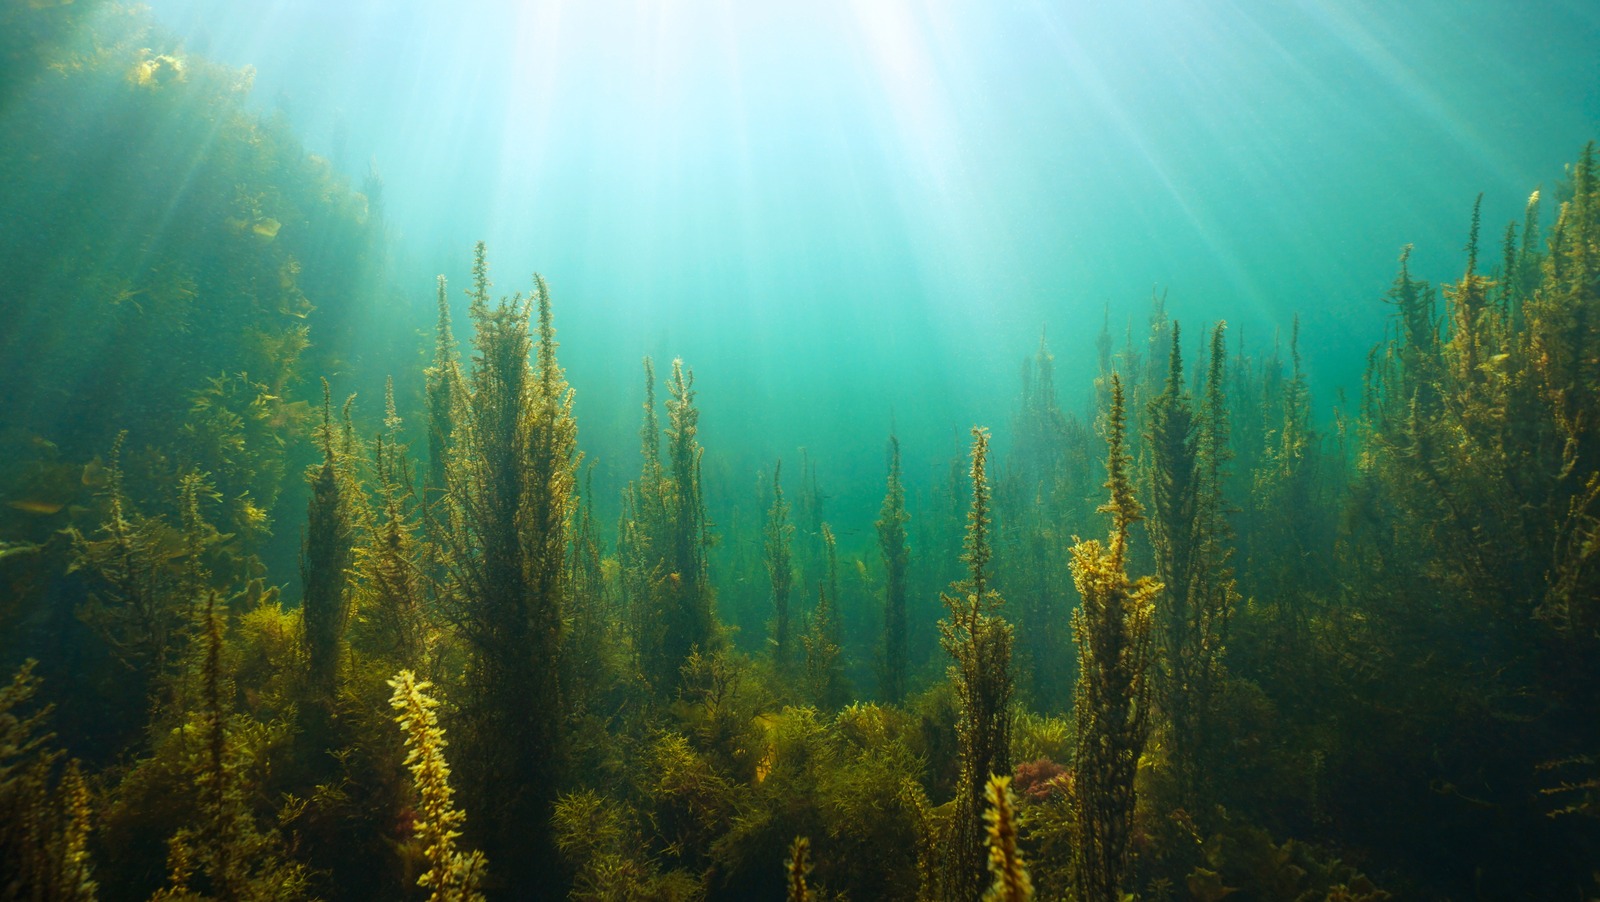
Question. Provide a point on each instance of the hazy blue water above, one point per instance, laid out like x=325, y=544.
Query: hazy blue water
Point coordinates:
x=834, y=210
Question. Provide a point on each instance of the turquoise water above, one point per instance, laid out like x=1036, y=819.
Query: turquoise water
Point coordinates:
x=1316, y=615
x=838, y=211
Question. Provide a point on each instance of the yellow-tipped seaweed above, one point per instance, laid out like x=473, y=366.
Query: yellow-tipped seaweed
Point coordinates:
x=796, y=869
x=979, y=641
x=1112, y=630
x=452, y=876
x=1011, y=881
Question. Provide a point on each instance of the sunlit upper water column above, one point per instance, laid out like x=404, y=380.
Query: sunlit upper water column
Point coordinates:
x=835, y=209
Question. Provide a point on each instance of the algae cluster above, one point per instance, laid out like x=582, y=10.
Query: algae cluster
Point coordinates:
x=1310, y=659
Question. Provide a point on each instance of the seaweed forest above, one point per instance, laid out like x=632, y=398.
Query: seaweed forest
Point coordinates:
x=301, y=600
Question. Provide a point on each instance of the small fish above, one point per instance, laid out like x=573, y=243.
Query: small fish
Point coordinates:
x=42, y=508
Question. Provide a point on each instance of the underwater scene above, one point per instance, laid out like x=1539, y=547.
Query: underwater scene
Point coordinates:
x=800, y=450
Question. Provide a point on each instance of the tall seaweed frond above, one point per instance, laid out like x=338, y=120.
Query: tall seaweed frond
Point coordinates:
x=1565, y=340
x=1113, y=632
x=1011, y=880
x=796, y=869
x=444, y=389
x=777, y=535
x=1173, y=528
x=1188, y=541
x=325, y=557
x=44, y=822
x=823, y=639
x=1468, y=302
x=136, y=602
x=592, y=621
x=650, y=430
x=389, y=582
x=979, y=643
x=1215, y=594
x=891, y=526
x=663, y=539
x=551, y=470
x=641, y=528
x=692, y=623
x=977, y=551
x=76, y=881
x=452, y=876
x=224, y=853
x=503, y=528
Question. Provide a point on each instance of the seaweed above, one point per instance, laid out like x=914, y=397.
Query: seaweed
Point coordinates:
x=1188, y=536
x=663, y=538
x=45, y=813
x=504, y=531
x=1113, y=630
x=1364, y=653
x=891, y=527
x=777, y=537
x=979, y=641
x=325, y=561
x=826, y=687
x=452, y=876
x=1011, y=880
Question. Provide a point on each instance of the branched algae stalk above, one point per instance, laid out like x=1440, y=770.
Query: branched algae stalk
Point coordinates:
x=1011, y=880
x=1112, y=630
x=891, y=527
x=979, y=640
x=452, y=876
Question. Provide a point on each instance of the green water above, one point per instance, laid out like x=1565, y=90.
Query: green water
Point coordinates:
x=1366, y=506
